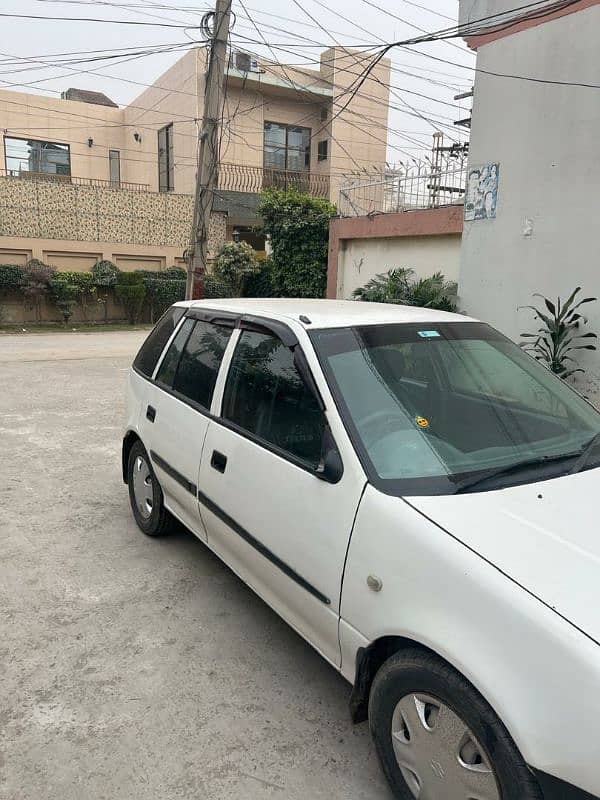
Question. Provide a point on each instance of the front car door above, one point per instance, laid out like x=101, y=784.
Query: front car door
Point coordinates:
x=283, y=529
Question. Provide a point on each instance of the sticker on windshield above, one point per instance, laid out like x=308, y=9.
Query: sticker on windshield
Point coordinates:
x=422, y=422
x=428, y=334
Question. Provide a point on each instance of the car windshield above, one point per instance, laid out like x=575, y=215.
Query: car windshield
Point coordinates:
x=432, y=408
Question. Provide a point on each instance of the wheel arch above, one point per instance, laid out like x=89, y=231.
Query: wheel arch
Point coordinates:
x=130, y=438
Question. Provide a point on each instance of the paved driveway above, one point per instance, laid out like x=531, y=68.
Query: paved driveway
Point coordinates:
x=132, y=668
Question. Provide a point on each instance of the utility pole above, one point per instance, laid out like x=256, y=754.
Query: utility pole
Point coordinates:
x=208, y=167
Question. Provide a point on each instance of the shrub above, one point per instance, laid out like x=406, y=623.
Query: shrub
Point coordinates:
x=234, y=264
x=36, y=284
x=298, y=227
x=261, y=282
x=85, y=289
x=131, y=292
x=215, y=289
x=104, y=273
x=175, y=273
x=65, y=294
x=399, y=286
x=163, y=292
x=557, y=337
x=12, y=277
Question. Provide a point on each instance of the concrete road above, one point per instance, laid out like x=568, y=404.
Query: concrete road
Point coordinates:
x=131, y=668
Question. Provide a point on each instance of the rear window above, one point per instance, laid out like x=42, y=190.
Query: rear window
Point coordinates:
x=150, y=352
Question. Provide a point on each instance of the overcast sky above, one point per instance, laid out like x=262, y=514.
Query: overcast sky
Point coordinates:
x=413, y=119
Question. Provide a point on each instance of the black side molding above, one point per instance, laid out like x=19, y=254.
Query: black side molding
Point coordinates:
x=264, y=551
x=172, y=473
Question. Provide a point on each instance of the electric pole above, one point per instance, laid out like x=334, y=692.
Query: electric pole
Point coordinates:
x=208, y=166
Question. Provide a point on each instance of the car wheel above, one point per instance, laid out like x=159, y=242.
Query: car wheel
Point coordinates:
x=145, y=494
x=437, y=738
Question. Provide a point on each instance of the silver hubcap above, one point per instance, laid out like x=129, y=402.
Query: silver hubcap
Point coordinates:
x=142, y=487
x=438, y=755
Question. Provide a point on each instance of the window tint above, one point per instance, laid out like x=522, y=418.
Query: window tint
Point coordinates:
x=200, y=361
x=150, y=352
x=166, y=371
x=266, y=396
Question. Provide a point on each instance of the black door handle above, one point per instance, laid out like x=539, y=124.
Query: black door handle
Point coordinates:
x=151, y=413
x=218, y=461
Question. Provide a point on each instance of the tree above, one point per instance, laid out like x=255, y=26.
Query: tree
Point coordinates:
x=36, y=284
x=65, y=293
x=104, y=274
x=234, y=264
x=131, y=292
x=298, y=227
x=399, y=286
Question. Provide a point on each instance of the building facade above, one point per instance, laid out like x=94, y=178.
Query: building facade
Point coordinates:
x=534, y=169
x=83, y=179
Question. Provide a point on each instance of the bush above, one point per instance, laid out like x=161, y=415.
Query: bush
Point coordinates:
x=64, y=293
x=37, y=277
x=175, y=273
x=104, y=273
x=12, y=277
x=234, y=264
x=399, y=286
x=261, y=282
x=131, y=292
x=163, y=293
x=298, y=227
x=85, y=289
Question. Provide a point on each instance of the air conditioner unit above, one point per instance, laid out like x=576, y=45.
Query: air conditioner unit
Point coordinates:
x=243, y=62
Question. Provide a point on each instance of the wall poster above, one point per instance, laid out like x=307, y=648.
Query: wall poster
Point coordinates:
x=482, y=192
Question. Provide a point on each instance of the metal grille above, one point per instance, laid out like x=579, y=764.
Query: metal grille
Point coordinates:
x=242, y=178
x=62, y=179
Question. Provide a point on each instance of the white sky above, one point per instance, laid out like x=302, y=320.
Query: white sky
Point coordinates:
x=44, y=39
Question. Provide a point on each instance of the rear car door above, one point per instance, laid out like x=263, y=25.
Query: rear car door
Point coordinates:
x=268, y=514
x=174, y=424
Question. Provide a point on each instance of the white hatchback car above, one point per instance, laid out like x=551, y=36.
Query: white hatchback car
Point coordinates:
x=417, y=498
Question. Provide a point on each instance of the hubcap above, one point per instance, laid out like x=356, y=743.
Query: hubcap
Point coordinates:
x=142, y=487
x=438, y=755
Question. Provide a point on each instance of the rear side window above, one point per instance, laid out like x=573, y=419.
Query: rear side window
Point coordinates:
x=151, y=350
x=168, y=366
x=266, y=396
x=200, y=361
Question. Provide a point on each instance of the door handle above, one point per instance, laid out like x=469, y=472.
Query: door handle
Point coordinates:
x=151, y=413
x=218, y=461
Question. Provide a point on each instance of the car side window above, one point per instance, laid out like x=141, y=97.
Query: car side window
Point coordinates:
x=168, y=366
x=199, y=363
x=149, y=353
x=266, y=396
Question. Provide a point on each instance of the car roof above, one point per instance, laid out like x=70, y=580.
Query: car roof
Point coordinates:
x=328, y=313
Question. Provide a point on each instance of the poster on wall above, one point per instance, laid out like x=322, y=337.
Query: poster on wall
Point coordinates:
x=482, y=192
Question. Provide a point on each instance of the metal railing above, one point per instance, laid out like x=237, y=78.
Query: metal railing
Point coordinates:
x=73, y=179
x=408, y=187
x=243, y=178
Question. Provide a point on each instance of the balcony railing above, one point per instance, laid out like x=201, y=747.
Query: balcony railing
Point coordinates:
x=72, y=179
x=243, y=178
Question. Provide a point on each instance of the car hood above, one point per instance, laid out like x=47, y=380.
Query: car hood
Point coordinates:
x=545, y=536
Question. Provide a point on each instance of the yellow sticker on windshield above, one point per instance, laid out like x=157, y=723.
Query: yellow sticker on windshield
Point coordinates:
x=422, y=422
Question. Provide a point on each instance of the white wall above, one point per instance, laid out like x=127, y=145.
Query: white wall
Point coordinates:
x=547, y=140
x=361, y=259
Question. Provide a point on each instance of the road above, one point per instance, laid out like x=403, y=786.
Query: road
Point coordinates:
x=130, y=667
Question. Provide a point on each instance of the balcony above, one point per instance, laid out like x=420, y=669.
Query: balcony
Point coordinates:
x=73, y=180
x=252, y=180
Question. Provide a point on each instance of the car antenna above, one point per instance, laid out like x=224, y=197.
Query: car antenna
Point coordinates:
x=303, y=318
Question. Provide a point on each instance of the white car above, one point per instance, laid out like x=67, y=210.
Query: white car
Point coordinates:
x=417, y=498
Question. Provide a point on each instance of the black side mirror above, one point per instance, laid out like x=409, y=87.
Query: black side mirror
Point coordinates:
x=330, y=468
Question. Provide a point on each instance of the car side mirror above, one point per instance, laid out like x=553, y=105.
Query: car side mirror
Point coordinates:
x=330, y=467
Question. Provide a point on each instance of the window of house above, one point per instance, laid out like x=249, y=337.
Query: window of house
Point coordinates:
x=114, y=167
x=322, y=149
x=166, y=176
x=286, y=147
x=151, y=350
x=200, y=361
x=266, y=396
x=31, y=155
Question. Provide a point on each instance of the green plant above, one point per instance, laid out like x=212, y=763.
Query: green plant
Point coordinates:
x=104, y=275
x=131, y=292
x=36, y=284
x=298, y=227
x=65, y=294
x=234, y=263
x=163, y=293
x=557, y=338
x=11, y=278
x=86, y=291
x=399, y=286
x=261, y=283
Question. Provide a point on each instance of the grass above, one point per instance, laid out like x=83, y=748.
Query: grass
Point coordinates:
x=54, y=327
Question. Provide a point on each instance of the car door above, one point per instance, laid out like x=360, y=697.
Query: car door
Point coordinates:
x=269, y=514
x=175, y=422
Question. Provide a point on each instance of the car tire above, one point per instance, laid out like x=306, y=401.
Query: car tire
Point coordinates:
x=145, y=494
x=457, y=748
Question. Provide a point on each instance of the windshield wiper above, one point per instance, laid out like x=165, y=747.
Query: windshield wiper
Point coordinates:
x=469, y=483
x=585, y=453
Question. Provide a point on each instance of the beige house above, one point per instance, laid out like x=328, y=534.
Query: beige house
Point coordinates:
x=83, y=179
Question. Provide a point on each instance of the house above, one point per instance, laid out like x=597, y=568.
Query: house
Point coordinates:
x=534, y=170
x=84, y=179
